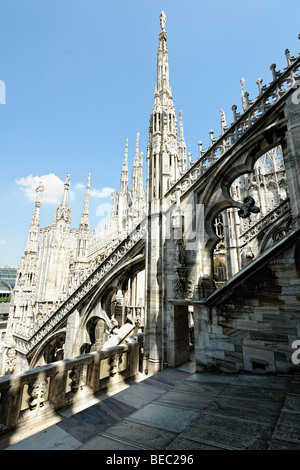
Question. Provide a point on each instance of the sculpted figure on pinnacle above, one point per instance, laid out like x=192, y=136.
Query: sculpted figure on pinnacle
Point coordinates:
x=163, y=20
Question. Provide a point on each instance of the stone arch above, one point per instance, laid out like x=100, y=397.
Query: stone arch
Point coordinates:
x=51, y=350
x=214, y=190
x=96, y=332
x=108, y=301
x=99, y=302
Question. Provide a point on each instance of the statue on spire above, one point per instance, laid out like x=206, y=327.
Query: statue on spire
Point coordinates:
x=162, y=18
x=39, y=192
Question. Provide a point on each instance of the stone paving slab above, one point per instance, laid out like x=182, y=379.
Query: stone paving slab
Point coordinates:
x=230, y=434
x=171, y=376
x=192, y=401
x=288, y=432
x=203, y=388
x=179, y=410
x=135, y=433
x=167, y=417
x=278, y=444
x=254, y=392
x=181, y=443
x=292, y=403
x=52, y=438
x=278, y=382
x=259, y=414
x=90, y=422
x=210, y=377
x=140, y=394
x=295, y=388
x=244, y=403
x=158, y=383
x=115, y=408
x=100, y=442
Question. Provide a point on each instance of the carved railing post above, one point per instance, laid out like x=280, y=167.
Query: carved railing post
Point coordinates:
x=78, y=377
x=115, y=363
x=36, y=391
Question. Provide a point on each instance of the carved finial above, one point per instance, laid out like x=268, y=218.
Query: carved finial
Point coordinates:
x=200, y=148
x=235, y=114
x=259, y=83
x=244, y=96
x=162, y=20
x=191, y=162
x=212, y=138
x=243, y=84
x=274, y=73
x=223, y=121
x=288, y=57
x=67, y=178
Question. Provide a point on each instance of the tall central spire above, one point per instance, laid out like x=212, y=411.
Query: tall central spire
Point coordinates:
x=163, y=85
x=165, y=169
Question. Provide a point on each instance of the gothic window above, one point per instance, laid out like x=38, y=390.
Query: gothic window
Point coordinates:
x=220, y=274
x=219, y=226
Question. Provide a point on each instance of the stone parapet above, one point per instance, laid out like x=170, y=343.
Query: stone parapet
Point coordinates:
x=38, y=393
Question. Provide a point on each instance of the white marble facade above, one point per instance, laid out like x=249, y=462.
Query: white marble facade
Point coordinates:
x=244, y=207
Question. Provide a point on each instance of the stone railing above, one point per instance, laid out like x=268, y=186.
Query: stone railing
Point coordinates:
x=27, y=337
x=37, y=394
x=265, y=222
x=281, y=85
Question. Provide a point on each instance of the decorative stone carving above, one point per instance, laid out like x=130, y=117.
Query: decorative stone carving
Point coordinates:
x=36, y=391
x=115, y=362
x=282, y=231
x=163, y=20
x=248, y=207
x=77, y=375
x=10, y=362
x=182, y=287
x=134, y=316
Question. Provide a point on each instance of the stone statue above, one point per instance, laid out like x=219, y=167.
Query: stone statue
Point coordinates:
x=39, y=192
x=180, y=251
x=162, y=20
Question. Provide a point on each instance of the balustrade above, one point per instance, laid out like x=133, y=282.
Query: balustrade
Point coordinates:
x=38, y=393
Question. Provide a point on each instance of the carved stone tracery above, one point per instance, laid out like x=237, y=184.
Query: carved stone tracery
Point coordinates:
x=36, y=391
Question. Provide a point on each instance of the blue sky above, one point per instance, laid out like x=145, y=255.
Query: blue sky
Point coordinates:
x=80, y=76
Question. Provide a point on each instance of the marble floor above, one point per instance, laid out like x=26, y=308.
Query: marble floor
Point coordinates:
x=178, y=409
